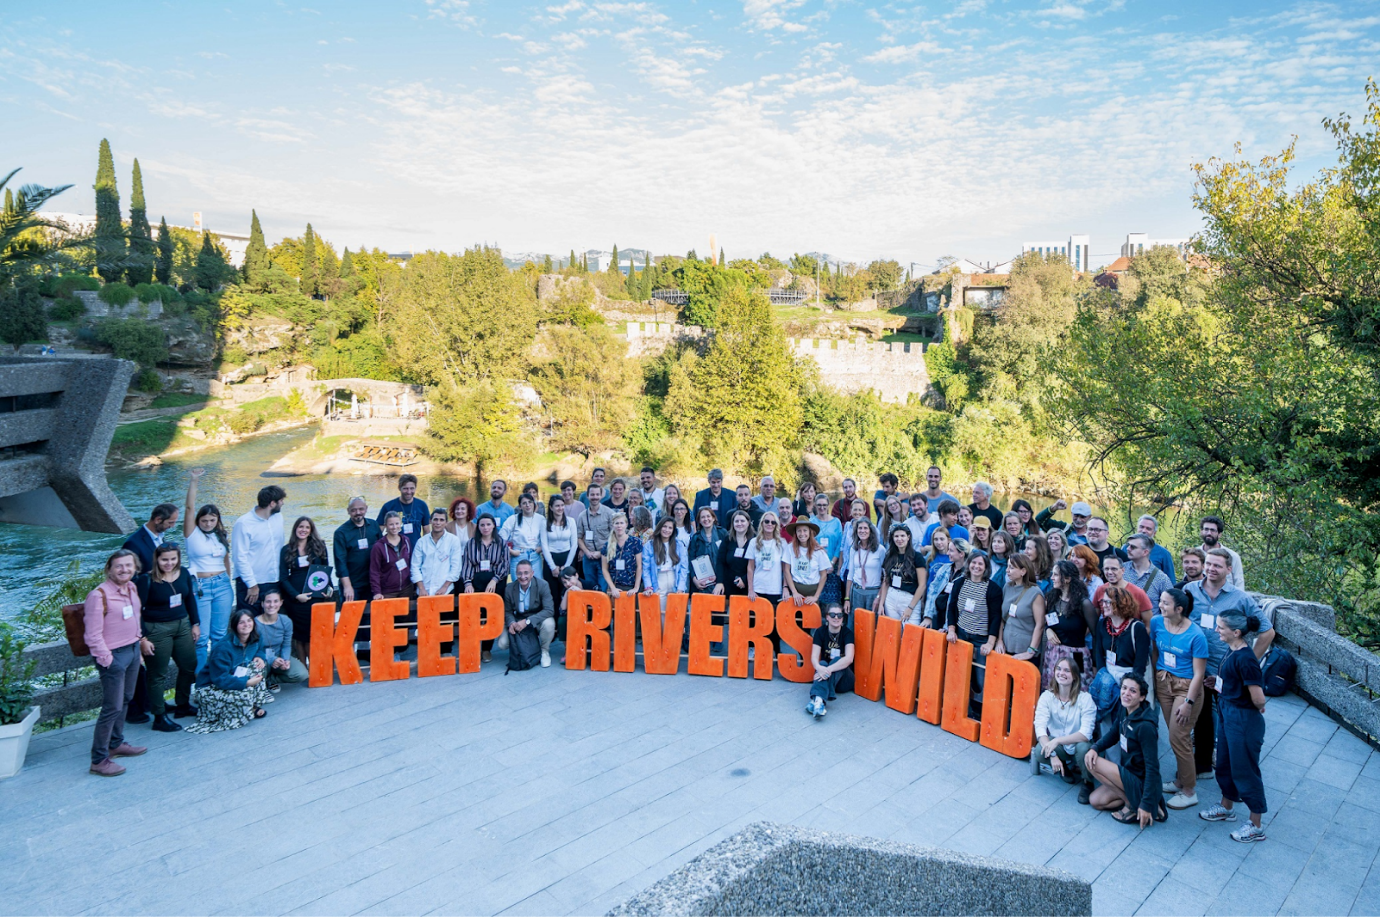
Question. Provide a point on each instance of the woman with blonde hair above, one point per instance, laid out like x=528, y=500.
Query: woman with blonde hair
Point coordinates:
x=939, y=567
x=1058, y=545
x=767, y=566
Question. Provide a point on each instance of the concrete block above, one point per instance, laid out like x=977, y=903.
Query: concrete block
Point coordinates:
x=777, y=869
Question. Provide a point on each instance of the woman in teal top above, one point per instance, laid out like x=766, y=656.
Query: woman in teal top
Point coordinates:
x=1181, y=656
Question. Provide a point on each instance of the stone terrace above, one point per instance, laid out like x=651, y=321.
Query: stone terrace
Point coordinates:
x=553, y=792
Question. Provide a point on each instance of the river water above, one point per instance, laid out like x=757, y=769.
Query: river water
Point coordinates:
x=31, y=556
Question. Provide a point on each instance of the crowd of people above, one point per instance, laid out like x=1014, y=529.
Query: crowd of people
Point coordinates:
x=1118, y=632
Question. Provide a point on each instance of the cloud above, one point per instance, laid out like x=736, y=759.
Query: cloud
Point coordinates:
x=454, y=11
x=771, y=14
x=899, y=53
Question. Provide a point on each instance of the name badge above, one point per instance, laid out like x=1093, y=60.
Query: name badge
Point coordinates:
x=302, y=560
x=1123, y=742
x=1014, y=606
x=824, y=542
x=948, y=587
x=738, y=552
x=407, y=528
x=1170, y=660
x=401, y=563
x=834, y=653
x=127, y=612
x=969, y=604
x=895, y=582
x=1052, y=618
x=589, y=535
x=620, y=564
x=1208, y=622
x=1217, y=684
x=484, y=566
x=241, y=671
x=362, y=544
x=175, y=600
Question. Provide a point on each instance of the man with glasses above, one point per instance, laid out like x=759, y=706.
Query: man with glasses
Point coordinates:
x=1097, y=540
x=1076, y=533
x=832, y=657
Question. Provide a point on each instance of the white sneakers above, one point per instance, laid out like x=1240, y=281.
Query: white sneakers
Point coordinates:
x=1217, y=812
x=1248, y=834
x=1182, y=800
x=545, y=659
x=816, y=707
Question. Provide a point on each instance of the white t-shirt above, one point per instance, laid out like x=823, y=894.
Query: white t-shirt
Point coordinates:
x=205, y=553
x=806, y=569
x=766, y=579
x=865, y=567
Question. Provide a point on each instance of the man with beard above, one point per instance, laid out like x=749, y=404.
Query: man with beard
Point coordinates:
x=1211, y=529
x=255, y=543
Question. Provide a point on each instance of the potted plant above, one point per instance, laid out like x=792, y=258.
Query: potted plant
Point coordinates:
x=17, y=711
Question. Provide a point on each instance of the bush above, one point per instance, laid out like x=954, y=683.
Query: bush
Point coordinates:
x=243, y=422
x=117, y=294
x=148, y=380
x=67, y=309
x=133, y=339
x=62, y=285
x=234, y=356
x=16, y=678
x=149, y=292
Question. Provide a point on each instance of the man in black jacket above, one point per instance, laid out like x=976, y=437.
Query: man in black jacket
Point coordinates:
x=527, y=603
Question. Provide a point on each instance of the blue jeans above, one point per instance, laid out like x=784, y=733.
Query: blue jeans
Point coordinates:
x=860, y=598
x=593, y=575
x=1240, y=733
x=215, y=599
x=830, y=688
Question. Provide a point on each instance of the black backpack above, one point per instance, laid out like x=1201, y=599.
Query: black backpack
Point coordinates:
x=524, y=650
x=1279, y=669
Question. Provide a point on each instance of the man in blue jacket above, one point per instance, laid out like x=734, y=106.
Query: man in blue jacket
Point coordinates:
x=150, y=535
x=415, y=514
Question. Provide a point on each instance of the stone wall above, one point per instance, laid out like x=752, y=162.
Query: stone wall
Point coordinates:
x=99, y=308
x=779, y=869
x=894, y=371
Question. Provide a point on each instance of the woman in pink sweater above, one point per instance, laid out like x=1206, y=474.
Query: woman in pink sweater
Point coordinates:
x=113, y=635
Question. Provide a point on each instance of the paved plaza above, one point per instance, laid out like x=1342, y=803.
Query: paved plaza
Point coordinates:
x=554, y=792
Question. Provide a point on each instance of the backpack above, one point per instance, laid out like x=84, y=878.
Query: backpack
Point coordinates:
x=1279, y=669
x=524, y=650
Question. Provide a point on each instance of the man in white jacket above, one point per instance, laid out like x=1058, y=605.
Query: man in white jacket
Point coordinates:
x=436, y=558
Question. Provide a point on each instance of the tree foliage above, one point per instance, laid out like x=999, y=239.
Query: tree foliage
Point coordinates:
x=476, y=422
x=1013, y=345
x=21, y=312
x=163, y=263
x=256, y=261
x=141, y=253
x=110, y=230
x=588, y=385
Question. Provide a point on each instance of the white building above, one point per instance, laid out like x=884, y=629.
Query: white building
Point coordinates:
x=1139, y=242
x=1078, y=251
x=235, y=243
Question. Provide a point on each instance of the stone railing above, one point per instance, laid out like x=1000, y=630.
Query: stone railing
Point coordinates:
x=75, y=694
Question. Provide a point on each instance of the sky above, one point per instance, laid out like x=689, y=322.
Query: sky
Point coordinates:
x=867, y=130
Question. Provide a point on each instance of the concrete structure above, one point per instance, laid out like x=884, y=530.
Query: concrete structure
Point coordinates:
x=57, y=416
x=894, y=371
x=235, y=243
x=779, y=869
x=99, y=308
x=1140, y=242
x=1077, y=249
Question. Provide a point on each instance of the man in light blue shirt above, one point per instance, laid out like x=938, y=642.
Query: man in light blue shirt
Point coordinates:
x=830, y=529
x=495, y=506
x=1159, y=555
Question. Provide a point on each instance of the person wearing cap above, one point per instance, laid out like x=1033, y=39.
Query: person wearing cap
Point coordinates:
x=715, y=497
x=806, y=562
x=832, y=657
x=982, y=505
x=1077, y=532
x=982, y=533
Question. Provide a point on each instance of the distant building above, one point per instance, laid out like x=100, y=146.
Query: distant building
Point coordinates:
x=1077, y=249
x=1139, y=242
x=1111, y=275
x=235, y=243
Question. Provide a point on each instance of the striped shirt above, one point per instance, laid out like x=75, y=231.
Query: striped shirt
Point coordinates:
x=972, y=607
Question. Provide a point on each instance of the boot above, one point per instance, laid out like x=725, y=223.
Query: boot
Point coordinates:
x=162, y=723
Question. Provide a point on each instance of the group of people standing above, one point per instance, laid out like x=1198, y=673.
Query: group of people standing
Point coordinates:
x=1103, y=623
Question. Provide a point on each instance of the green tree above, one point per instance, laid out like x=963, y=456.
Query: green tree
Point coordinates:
x=613, y=262
x=547, y=267
x=211, y=269
x=634, y=283
x=110, y=230
x=739, y=403
x=309, y=280
x=21, y=312
x=141, y=256
x=572, y=263
x=886, y=275
x=163, y=263
x=1014, y=345
x=462, y=318
x=802, y=265
x=645, y=294
x=477, y=422
x=722, y=261
x=589, y=387
x=9, y=200
x=256, y=261
x=28, y=240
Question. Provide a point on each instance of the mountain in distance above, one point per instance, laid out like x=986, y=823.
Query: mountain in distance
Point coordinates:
x=601, y=257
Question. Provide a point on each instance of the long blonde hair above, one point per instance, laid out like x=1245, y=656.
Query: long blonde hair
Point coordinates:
x=776, y=527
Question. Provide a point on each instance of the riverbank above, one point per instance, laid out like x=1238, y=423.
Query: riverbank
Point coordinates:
x=145, y=438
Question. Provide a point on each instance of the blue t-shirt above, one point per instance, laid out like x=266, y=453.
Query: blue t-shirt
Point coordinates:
x=1174, y=653
x=955, y=531
x=1206, y=611
x=830, y=536
x=415, y=517
x=1239, y=670
x=501, y=513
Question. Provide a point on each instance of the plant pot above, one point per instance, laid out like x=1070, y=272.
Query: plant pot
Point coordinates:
x=14, y=743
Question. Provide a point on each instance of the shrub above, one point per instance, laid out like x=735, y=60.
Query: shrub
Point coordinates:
x=234, y=356
x=117, y=294
x=243, y=422
x=148, y=380
x=16, y=678
x=133, y=339
x=67, y=309
x=61, y=285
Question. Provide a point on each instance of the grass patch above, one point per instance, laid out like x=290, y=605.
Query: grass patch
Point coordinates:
x=178, y=400
x=906, y=337
x=147, y=437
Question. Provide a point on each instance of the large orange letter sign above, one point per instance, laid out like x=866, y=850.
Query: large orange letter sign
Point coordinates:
x=740, y=633
x=934, y=648
x=385, y=640
x=431, y=633
x=802, y=672
x=472, y=632
x=890, y=658
x=958, y=670
x=588, y=615
x=333, y=645
x=625, y=632
x=1010, y=692
x=703, y=631
x=661, y=644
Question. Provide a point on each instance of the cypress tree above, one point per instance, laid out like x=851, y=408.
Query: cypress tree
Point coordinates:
x=110, y=231
x=572, y=258
x=722, y=262
x=646, y=278
x=256, y=261
x=347, y=265
x=633, y=285
x=162, y=265
x=21, y=313
x=614, y=266
x=308, y=281
x=547, y=267
x=584, y=263
x=210, y=265
x=140, y=268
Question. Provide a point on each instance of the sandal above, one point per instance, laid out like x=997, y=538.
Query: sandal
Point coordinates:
x=1127, y=817
x=260, y=713
x=1162, y=815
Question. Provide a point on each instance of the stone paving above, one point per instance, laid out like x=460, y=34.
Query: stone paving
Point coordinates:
x=553, y=792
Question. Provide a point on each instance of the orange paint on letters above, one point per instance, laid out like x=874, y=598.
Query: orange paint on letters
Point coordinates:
x=758, y=633
x=958, y=670
x=934, y=649
x=793, y=635
x=385, y=639
x=431, y=633
x=625, y=633
x=1012, y=687
x=587, y=629
x=333, y=644
x=703, y=631
x=471, y=631
x=661, y=645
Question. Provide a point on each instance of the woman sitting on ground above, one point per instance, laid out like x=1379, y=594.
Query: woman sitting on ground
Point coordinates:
x=1130, y=790
x=1065, y=723
x=832, y=657
x=230, y=691
x=275, y=643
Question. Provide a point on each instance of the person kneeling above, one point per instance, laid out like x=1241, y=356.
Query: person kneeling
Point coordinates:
x=230, y=689
x=527, y=603
x=275, y=643
x=833, y=642
x=1065, y=720
x=1130, y=790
